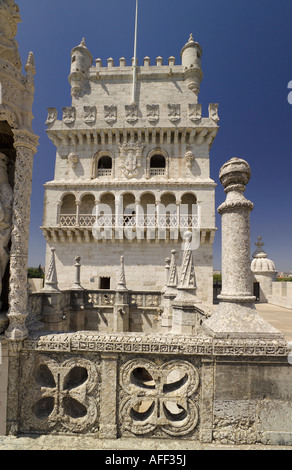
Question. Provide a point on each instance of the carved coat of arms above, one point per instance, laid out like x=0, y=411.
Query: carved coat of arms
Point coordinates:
x=89, y=113
x=131, y=154
x=69, y=114
x=110, y=113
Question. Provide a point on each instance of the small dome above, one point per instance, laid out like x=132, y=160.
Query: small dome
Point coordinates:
x=260, y=262
x=262, y=265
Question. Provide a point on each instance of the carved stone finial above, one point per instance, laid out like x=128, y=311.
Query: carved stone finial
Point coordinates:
x=234, y=172
x=259, y=252
x=30, y=64
x=77, y=285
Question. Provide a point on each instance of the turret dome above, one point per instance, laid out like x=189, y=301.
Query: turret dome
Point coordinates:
x=260, y=262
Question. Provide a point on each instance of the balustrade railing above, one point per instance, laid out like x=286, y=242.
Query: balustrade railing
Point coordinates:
x=104, y=172
x=157, y=171
x=130, y=220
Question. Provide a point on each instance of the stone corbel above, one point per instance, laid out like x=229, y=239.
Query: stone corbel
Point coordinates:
x=189, y=157
x=73, y=159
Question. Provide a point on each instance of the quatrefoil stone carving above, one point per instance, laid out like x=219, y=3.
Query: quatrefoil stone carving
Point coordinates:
x=65, y=394
x=159, y=396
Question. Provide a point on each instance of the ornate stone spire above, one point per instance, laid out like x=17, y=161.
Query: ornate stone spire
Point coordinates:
x=121, y=285
x=187, y=275
x=51, y=282
x=172, y=278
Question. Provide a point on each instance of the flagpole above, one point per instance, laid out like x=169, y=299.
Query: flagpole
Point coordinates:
x=135, y=55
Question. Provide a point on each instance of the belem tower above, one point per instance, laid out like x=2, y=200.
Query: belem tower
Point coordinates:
x=124, y=340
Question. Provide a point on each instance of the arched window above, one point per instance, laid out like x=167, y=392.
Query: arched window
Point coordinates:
x=104, y=166
x=68, y=211
x=157, y=165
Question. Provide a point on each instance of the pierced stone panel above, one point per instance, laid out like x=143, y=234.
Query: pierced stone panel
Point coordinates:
x=158, y=399
x=63, y=396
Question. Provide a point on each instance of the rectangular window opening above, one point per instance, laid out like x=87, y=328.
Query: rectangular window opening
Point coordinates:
x=105, y=283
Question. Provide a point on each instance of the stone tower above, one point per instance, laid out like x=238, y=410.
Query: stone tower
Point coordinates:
x=131, y=176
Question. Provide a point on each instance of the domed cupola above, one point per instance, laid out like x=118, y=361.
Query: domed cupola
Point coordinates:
x=260, y=262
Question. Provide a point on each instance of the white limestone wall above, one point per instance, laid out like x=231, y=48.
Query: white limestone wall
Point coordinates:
x=144, y=265
x=266, y=282
x=3, y=388
x=281, y=294
x=199, y=171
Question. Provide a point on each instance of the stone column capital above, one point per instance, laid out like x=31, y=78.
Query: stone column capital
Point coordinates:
x=25, y=138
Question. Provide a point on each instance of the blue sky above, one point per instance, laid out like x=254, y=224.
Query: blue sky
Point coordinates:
x=247, y=66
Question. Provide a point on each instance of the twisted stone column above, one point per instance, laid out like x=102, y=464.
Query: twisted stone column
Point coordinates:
x=25, y=144
x=236, y=314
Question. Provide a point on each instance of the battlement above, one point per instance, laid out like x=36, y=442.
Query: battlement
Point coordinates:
x=82, y=71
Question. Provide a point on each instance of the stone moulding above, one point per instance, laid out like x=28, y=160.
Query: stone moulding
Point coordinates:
x=156, y=344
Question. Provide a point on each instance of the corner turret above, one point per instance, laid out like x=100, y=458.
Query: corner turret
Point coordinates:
x=191, y=55
x=81, y=61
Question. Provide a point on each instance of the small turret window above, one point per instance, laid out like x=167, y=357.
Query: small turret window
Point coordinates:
x=73, y=58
